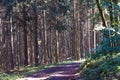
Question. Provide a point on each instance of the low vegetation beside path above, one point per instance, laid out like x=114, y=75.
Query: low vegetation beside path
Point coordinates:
x=24, y=71
x=105, y=63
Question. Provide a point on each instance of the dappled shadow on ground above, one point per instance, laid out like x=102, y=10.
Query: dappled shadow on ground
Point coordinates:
x=60, y=72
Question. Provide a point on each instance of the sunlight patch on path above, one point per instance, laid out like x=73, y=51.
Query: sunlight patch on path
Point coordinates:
x=33, y=78
x=60, y=72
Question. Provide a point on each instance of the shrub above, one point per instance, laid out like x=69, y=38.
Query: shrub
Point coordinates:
x=103, y=65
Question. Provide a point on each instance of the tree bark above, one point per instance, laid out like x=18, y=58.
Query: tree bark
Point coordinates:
x=36, y=53
x=44, y=37
x=25, y=36
x=101, y=14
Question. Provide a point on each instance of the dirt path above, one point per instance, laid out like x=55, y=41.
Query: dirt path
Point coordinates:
x=60, y=72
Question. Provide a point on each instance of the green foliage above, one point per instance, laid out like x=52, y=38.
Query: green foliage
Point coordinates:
x=7, y=2
x=22, y=72
x=57, y=14
x=110, y=43
x=60, y=27
x=103, y=65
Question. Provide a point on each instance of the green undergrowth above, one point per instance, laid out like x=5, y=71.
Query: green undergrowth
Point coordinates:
x=104, y=64
x=106, y=67
x=24, y=71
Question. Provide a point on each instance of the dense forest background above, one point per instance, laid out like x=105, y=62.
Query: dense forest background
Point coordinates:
x=39, y=32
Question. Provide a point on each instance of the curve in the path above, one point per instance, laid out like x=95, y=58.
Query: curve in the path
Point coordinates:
x=60, y=72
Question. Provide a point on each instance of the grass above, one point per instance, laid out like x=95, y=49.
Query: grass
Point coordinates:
x=24, y=71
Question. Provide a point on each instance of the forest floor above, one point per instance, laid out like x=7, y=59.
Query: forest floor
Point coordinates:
x=68, y=71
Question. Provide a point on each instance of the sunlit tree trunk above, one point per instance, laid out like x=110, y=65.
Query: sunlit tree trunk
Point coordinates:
x=44, y=37
x=57, y=47
x=74, y=29
x=78, y=31
x=11, y=41
x=51, y=48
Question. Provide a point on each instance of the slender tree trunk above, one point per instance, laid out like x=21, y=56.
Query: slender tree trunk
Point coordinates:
x=57, y=47
x=10, y=42
x=44, y=38
x=36, y=53
x=51, y=51
x=7, y=46
x=25, y=36
x=101, y=13
x=3, y=45
x=78, y=31
x=74, y=29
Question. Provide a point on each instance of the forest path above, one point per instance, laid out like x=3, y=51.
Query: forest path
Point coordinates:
x=60, y=72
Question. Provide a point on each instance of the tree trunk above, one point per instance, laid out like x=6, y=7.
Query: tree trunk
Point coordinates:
x=7, y=46
x=57, y=47
x=101, y=13
x=10, y=42
x=36, y=53
x=44, y=38
x=25, y=36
